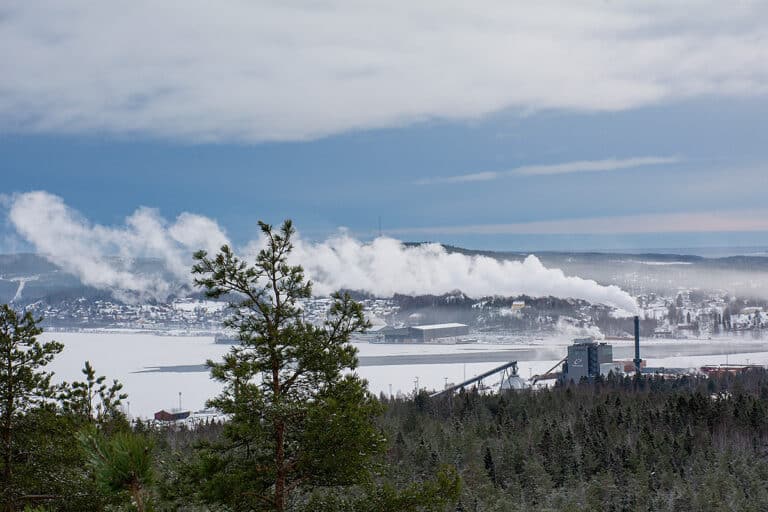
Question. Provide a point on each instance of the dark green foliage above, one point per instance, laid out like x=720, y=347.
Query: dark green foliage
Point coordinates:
x=121, y=464
x=428, y=496
x=53, y=473
x=340, y=436
x=623, y=444
x=24, y=387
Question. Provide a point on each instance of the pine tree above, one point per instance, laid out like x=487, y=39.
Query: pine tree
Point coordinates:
x=92, y=399
x=120, y=464
x=24, y=385
x=298, y=416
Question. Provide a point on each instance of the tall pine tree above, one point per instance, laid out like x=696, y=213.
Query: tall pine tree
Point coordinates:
x=299, y=416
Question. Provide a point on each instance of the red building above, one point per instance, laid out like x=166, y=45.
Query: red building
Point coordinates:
x=171, y=416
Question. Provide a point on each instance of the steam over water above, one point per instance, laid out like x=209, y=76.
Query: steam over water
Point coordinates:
x=382, y=267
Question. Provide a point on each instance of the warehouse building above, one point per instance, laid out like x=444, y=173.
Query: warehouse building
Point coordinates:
x=427, y=333
x=435, y=333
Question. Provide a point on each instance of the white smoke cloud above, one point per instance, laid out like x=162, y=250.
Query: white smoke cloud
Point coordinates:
x=382, y=267
x=86, y=250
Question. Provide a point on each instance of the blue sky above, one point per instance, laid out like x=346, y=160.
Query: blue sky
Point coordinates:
x=369, y=136
x=352, y=180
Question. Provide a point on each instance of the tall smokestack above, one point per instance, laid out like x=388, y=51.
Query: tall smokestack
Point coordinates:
x=637, y=359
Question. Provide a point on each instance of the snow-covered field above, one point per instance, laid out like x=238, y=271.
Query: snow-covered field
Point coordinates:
x=128, y=356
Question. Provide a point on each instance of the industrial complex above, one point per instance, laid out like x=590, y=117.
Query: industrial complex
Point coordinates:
x=587, y=360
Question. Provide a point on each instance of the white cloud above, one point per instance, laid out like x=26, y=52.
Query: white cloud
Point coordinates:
x=753, y=220
x=255, y=70
x=383, y=267
x=611, y=164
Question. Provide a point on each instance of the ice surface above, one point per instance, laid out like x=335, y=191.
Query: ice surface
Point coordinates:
x=124, y=356
x=127, y=355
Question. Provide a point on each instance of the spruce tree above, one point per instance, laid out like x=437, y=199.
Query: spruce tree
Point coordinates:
x=299, y=416
x=24, y=386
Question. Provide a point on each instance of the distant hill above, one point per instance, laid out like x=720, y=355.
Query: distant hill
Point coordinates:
x=29, y=278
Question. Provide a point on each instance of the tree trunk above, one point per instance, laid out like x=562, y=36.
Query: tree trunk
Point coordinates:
x=280, y=468
x=7, y=473
x=138, y=499
x=7, y=437
x=7, y=457
x=279, y=445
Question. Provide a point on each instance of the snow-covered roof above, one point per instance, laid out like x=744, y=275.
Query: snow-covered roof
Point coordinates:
x=437, y=326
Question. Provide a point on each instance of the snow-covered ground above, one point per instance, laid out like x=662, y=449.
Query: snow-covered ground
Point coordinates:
x=128, y=356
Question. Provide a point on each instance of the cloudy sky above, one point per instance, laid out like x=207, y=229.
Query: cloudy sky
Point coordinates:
x=518, y=125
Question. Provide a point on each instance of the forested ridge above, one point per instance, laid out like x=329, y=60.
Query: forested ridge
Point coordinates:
x=618, y=444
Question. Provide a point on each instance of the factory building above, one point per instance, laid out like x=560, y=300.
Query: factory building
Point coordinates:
x=436, y=333
x=587, y=359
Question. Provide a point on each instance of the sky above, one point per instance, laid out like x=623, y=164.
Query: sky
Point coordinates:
x=521, y=126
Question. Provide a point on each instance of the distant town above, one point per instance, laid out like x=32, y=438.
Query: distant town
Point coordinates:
x=688, y=314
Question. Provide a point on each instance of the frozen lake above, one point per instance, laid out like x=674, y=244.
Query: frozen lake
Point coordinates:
x=154, y=369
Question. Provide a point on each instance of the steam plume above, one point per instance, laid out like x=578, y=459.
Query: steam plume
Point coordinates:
x=383, y=267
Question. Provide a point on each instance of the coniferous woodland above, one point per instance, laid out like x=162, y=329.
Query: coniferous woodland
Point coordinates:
x=304, y=434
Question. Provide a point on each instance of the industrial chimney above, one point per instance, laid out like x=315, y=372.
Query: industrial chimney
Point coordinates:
x=637, y=359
